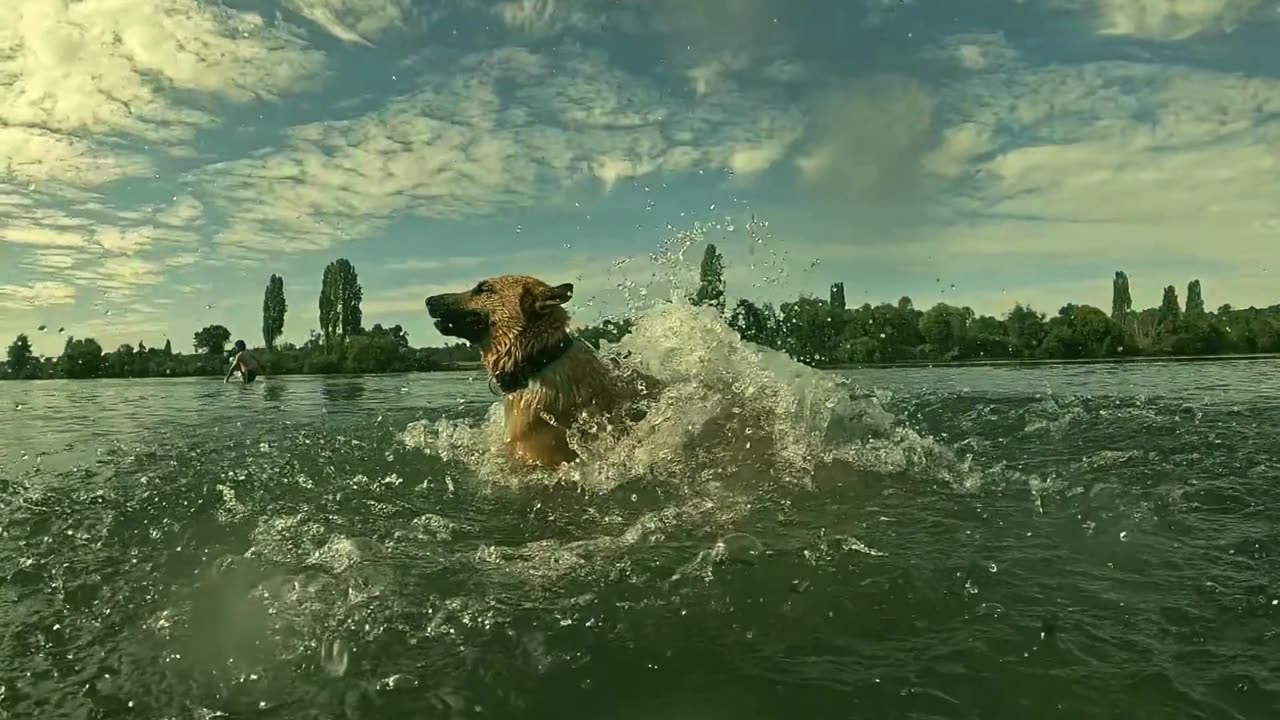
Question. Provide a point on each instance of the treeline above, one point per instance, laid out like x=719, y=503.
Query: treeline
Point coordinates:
x=373, y=353
x=343, y=346
x=813, y=330
x=826, y=332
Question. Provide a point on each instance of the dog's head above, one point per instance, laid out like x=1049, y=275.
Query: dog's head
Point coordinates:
x=506, y=306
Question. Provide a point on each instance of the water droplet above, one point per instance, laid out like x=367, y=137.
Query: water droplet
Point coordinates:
x=737, y=548
x=1124, y=536
x=713, y=206
x=519, y=229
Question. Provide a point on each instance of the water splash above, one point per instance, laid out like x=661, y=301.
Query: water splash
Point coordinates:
x=732, y=415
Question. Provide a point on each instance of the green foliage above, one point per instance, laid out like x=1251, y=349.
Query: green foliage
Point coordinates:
x=340, y=298
x=211, y=340
x=609, y=330
x=711, y=279
x=378, y=351
x=757, y=324
x=19, y=357
x=1169, y=310
x=837, y=301
x=81, y=358
x=822, y=333
x=1195, y=298
x=1121, y=299
x=812, y=330
x=274, y=308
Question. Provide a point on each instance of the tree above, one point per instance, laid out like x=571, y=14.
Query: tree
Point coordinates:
x=168, y=347
x=395, y=334
x=755, y=323
x=944, y=327
x=837, y=297
x=710, y=280
x=19, y=358
x=1026, y=329
x=1121, y=299
x=806, y=330
x=1081, y=331
x=81, y=358
x=340, y=298
x=1195, y=299
x=1169, y=310
x=274, y=308
x=212, y=340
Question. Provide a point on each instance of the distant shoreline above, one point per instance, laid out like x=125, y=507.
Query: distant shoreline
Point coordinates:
x=471, y=367
x=1177, y=359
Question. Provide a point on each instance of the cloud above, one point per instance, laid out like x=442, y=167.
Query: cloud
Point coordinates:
x=40, y=236
x=1171, y=19
x=542, y=17
x=40, y=294
x=104, y=66
x=114, y=252
x=33, y=155
x=1138, y=165
x=868, y=143
x=429, y=264
x=494, y=131
x=354, y=21
x=978, y=51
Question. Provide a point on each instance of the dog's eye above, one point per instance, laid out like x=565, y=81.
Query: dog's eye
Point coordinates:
x=481, y=288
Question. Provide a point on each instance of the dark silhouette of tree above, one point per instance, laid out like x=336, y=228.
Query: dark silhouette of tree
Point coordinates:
x=755, y=323
x=340, y=298
x=1195, y=299
x=1121, y=299
x=943, y=327
x=1026, y=329
x=812, y=330
x=212, y=340
x=274, y=308
x=807, y=331
x=19, y=356
x=1169, y=310
x=711, y=279
x=81, y=358
x=837, y=301
x=609, y=330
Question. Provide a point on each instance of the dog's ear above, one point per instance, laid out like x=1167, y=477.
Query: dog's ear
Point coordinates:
x=554, y=297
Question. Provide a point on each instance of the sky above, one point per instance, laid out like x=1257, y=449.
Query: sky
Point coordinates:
x=160, y=159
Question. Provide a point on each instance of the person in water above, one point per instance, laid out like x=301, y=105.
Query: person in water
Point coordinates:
x=245, y=362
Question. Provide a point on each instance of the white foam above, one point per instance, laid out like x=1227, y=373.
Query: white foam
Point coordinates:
x=731, y=413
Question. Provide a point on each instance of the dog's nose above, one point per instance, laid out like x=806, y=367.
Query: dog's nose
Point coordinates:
x=437, y=304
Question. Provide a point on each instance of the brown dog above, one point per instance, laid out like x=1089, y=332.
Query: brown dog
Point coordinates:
x=549, y=381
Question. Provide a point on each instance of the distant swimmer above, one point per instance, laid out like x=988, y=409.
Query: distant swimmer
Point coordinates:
x=245, y=363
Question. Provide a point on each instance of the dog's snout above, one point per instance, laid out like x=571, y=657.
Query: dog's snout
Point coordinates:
x=435, y=302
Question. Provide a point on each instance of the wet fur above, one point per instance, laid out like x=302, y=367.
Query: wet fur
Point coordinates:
x=514, y=317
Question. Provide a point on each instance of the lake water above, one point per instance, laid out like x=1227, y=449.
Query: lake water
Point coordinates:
x=1079, y=542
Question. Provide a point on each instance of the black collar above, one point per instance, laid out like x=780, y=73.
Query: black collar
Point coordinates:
x=518, y=378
